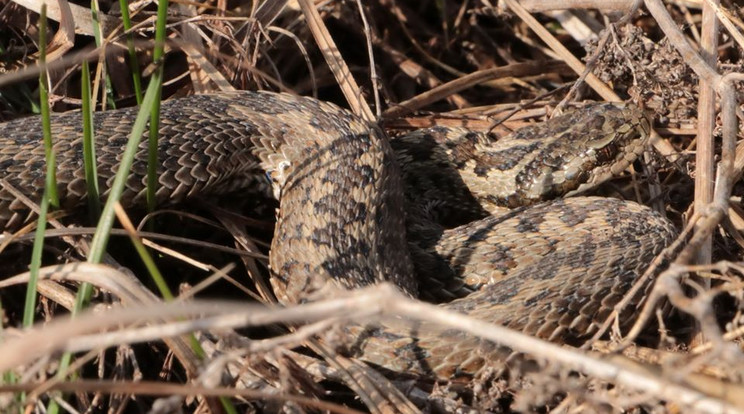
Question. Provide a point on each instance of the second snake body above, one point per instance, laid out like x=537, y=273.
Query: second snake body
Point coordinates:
x=347, y=201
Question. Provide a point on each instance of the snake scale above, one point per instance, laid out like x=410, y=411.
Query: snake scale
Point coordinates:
x=348, y=198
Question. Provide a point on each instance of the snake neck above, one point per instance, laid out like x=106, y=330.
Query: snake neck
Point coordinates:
x=341, y=217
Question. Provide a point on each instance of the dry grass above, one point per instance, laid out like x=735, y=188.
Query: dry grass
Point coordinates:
x=408, y=65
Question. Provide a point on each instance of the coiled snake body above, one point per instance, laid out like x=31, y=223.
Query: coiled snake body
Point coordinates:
x=552, y=270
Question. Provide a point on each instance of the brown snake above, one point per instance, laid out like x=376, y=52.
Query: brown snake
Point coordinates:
x=347, y=201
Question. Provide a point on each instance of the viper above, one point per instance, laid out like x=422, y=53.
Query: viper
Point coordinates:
x=424, y=211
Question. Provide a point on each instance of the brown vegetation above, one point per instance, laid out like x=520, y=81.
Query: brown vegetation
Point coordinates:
x=405, y=64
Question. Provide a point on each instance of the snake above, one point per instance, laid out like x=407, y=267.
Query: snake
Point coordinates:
x=449, y=214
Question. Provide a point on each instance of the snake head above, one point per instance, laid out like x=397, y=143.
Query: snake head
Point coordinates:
x=587, y=148
x=563, y=156
x=616, y=139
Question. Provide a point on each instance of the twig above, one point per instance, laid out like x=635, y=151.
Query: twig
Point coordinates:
x=372, y=66
x=126, y=287
x=712, y=213
x=335, y=61
x=160, y=388
x=382, y=300
x=603, y=90
x=467, y=81
x=603, y=5
x=595, y=83
x=705, y=154
x=87, y=231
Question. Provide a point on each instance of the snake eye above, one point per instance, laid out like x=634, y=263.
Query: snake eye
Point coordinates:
x=607, y=153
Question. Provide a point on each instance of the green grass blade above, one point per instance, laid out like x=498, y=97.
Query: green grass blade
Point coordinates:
x=147, y=259
x=89, y=147
x=50, y=187
x=133, y=61
x=103, y=230
x=50, y=182
x=29, y=309
x=157, y=57
x=100, y=238
x=51, y=178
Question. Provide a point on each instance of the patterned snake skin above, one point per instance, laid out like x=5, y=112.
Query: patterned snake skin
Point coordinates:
x=348, y=199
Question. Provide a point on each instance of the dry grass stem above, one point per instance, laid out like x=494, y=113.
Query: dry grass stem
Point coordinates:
x=380, y=301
